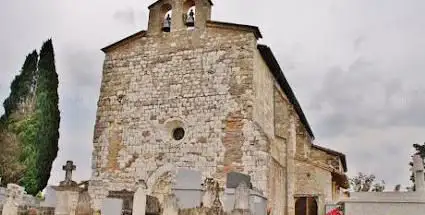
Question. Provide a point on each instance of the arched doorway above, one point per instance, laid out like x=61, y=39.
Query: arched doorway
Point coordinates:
x=305, y=206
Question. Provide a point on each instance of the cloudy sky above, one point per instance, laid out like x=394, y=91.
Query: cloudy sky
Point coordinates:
x=357, y=67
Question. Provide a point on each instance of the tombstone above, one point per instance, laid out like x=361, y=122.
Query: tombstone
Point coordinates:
x=235, y=178
x=111, y=206
x=127, y=197
x=153, y=207
x=15, y=194
x=67, y=192
x=50, y=197
x=139, y=200
x=258, y=202
x=418, y=170
x=171, y=206
x=242, y=197
x=84, y=203
x=188, y=188
x=68, y=168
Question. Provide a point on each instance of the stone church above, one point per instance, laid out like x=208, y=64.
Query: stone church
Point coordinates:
x=190, y=92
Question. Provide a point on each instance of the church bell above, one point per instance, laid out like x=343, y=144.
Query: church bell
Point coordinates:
x=167, y=24
x=190, y=21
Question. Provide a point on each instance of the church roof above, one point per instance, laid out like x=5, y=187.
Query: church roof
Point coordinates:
x=234, y=26
x=335, y=153
x=130, y=38
x=153, y=4
x=274, y=67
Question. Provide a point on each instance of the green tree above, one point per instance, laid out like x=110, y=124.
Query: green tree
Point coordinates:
x=22, y=87
x=15, y=132
x=29, y=129
x=48, y=115
x=365, y=183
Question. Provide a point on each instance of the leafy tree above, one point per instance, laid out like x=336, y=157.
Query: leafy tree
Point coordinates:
x=29, y=129
x=364, y=183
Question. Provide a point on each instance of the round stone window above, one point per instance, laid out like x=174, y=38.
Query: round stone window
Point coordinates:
x=178, y=133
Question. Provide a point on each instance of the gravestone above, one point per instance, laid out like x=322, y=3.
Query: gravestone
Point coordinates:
x=127, y=197
x=242, y=194
x=188, y=188
x=153, y=207
x=111, y=206
x=418, y=170
x=68, y=168
x=171, y=206
x=67, y=192
x=140, y=199
x=235, y=178
x=50, y=197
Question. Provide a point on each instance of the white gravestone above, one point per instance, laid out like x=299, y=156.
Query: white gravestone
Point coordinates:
x=112, y=206
x=50, y=200
x=188, y=188
x=139, y=199
x=171, y=205
x=242, y=196
x=418, y=170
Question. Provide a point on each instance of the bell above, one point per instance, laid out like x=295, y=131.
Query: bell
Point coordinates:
x=167, y=24
x=190, y=21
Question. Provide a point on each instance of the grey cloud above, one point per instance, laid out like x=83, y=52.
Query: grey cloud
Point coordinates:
x=318, y=43
x=364, y=96
x=83, y=67
x=126, y=16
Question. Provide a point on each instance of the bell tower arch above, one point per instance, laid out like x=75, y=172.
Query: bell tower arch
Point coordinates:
x=181, y=15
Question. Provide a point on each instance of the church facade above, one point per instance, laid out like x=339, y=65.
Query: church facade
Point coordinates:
x=194, y=93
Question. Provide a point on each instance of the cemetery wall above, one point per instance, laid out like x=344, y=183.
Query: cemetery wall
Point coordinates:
x=383, y=203
x=145, y=95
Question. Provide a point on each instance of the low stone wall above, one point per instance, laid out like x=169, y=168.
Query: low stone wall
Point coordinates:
x=198, y=211
x=384, y=203
x=23, y=210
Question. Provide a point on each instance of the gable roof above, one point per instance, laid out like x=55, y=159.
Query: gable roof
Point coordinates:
x=153, y=4
x=335, y=153
x=234, y=26
x=127, y=39
x=274, y=67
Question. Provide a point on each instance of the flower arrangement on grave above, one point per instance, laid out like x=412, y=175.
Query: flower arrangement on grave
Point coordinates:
x=335, y=211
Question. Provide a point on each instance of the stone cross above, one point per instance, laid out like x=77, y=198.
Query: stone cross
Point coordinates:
x=418, y=170
x=68, y=168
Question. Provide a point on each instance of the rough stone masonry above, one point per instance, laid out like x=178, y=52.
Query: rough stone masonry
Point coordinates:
x=208, y=98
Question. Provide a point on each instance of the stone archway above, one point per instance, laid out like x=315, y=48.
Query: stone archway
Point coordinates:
x=160, y=183
x=306, y=206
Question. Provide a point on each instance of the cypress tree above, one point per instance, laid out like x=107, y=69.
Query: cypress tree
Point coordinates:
x=31, y=123
x=18, y=126
x=48, y=115
x=22, y=86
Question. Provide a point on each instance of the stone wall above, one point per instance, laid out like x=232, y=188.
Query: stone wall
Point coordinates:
x=23, y=210
x=383, y=203
x=199, y=80
x=312, y=180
